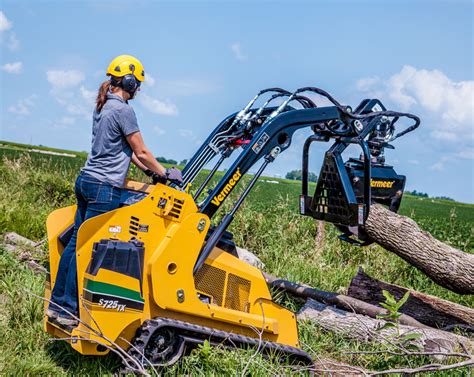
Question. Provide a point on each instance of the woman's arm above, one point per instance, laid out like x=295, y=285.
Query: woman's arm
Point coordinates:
x=137, y=163
x=143, y=155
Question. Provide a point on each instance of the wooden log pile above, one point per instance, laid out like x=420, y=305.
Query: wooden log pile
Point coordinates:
x=429, y=310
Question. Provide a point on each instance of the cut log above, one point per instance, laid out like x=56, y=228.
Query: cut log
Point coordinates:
x=250, y=258
x=444, y=264
x=347, y=303
x=430, y=310
x=15, y=244
x=13, y=238
x=366, y=329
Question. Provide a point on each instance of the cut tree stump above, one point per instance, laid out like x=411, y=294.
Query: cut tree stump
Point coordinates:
x=447, y=266
x=366, y=329
x=430, y=310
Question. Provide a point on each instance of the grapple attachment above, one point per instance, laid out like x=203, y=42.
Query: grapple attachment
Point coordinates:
x=334, y=200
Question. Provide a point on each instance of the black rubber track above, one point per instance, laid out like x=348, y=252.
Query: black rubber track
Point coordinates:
x=192, y=335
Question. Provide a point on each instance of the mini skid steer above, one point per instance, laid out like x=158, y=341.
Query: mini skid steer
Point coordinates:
x=156, y=278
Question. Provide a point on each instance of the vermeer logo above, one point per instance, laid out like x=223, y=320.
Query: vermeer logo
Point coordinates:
x=381, y=184
x=218, y=199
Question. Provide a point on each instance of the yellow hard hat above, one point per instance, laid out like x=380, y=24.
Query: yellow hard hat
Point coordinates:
x=126, y=65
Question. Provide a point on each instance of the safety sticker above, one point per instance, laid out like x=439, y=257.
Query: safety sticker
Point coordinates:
x=162, y=203
x=115, y=229
x=143, y=228
x=260, y=143
x=361, y=214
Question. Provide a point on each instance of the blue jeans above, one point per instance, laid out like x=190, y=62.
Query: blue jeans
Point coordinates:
x=93, y=198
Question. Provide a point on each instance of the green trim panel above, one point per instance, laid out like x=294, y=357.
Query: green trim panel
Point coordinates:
x=105, y=288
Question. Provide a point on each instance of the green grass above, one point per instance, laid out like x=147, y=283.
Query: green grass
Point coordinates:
x=27, y=147
x=32, y=185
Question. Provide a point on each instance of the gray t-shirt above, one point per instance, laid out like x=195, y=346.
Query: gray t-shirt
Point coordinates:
x=111, y=154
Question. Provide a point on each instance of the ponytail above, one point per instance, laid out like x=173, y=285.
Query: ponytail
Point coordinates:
x=102, y=95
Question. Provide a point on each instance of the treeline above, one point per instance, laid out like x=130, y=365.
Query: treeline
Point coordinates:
x=425, y=195
x=170, y=161
x=297, y=174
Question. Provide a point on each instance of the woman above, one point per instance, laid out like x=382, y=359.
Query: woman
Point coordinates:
x=116, y=141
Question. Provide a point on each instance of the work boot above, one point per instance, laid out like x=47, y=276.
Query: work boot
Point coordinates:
x=67, y=322
x=52, y=314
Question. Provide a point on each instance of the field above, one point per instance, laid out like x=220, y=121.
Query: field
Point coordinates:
x=32, y=184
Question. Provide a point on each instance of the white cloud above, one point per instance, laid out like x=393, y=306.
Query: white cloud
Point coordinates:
x=188, y=87
x=466, y=154
x=445, y=135
x=77, y=101
x=6, y=35
x=367, y=83
x=23, y=106
x=159, y=131
x=15, y=67
x=13, y=43
x=447, y=102
x=77, y=108
x=156, y=106
x=414, y=162
x=60, y=79
x=149, y=80
x=238, y=52
x=64, y=123
x=185, y=133
x=88, y=95
x=438, y=166
x=67, y=121
x=5, y=23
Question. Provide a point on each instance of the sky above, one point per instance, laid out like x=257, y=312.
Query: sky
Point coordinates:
x=205, y=60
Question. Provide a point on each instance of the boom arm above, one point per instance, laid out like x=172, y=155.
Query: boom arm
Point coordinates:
x=278, y=132
x=264, y=133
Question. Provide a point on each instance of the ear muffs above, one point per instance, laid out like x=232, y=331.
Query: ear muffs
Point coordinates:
x=129, y=83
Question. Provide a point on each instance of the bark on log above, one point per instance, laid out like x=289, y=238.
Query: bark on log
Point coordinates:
x=250, y=258
x=365, y=329
x=347, y=303
x=430, y=310
x=15, y=244
x=445, y=265
x=13, y=238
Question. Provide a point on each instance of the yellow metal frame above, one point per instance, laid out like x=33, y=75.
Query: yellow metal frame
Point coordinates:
x=172, y=240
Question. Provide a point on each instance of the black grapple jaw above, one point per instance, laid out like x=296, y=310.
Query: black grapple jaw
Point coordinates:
x=334, y=201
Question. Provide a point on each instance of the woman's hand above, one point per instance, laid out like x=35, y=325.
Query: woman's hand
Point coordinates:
x=174, y=174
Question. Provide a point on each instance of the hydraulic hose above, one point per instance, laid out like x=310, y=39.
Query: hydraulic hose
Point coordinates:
x=351, y=115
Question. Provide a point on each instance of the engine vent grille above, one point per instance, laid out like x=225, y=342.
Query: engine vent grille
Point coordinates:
x=210, y=281
x=133, y=227
x=237, y=295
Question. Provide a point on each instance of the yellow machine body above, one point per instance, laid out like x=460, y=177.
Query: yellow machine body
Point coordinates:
x=116, y=303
